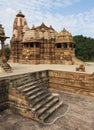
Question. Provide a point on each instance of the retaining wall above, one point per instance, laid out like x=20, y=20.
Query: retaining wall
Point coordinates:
x=80, y=83
x=4, y=85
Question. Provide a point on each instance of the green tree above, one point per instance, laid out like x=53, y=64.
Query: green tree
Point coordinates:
x=7, y=51
x=84, y=47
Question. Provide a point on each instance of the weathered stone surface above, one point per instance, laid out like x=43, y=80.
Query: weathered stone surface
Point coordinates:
x=81, y=83
x=80, y=116
x=41, y=44
x=28, y=94
x=4, y=85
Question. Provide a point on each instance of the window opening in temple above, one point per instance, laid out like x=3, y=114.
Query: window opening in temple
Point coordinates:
x=25, y=45
x=37, y=45
x=71, y=46
x=58, y=45
x=65, y=45
x=31, y=45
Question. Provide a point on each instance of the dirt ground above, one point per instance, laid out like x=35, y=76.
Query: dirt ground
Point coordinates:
x=80, y=116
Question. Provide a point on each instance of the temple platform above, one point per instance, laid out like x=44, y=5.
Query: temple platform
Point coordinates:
x=25, y=68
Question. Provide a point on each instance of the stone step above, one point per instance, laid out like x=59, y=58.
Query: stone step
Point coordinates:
x=24, y=78
x=48, y=113
x=2, y=65
x=8, y=71
x=43, y=102
x=20, y=77
x=5, y=67
x=22, y=81
x=33, y=92
x=34, y=85
x=39, y=99
x=23, y=85
x=33, y=97
x=28, y=86
x=31, y=85
x=47, y=106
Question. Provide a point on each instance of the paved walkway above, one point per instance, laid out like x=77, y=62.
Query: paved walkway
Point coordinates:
x=25, y=68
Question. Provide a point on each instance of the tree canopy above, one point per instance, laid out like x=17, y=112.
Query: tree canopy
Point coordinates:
x=7, y=51
x=84, y=47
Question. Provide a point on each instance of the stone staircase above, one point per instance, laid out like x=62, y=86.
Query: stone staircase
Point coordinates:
x=5, y=66
x=35, y=96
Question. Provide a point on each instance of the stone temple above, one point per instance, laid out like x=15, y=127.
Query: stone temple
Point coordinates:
x=41, y=44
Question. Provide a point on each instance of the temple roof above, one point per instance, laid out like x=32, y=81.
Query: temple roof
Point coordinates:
x=2, y=33
x=39, y=32
x=47, y=32
x=64, y=32
x=64, y=37
x=43, y=27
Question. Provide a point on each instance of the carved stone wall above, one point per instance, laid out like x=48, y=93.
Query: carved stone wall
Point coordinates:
x=75, y=82
x=80, y=83
x=41, y=44
x=8, y=93
x=4, y=86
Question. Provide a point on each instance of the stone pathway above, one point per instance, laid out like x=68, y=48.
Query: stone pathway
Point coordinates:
x=25, y=68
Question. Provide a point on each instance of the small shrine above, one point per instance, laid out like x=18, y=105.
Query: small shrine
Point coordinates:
x=3, y=62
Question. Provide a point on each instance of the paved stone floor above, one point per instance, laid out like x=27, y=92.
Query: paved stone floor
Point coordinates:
x=80, y=116
x=25, y=68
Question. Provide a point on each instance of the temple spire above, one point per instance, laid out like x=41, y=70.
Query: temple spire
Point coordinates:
x=20, y=14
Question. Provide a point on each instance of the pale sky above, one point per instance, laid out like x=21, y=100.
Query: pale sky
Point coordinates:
x=77, y=16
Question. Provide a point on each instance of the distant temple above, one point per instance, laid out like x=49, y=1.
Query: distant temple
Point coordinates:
x=40, y=45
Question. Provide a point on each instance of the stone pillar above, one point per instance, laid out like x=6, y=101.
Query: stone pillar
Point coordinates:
x=34, y=53
x=2, y=49
x=43, y=52
x=68, y=46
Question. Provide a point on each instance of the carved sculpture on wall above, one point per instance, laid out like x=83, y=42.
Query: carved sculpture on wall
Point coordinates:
x=81, y=68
